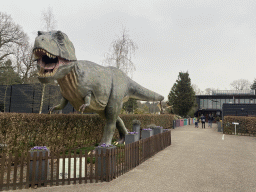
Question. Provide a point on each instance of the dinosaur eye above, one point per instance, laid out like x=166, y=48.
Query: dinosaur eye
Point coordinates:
x=39, y=33
x=60, y=37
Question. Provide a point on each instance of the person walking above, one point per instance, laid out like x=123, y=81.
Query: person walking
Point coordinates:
x=197, y=123
x=203, y=121
x=210, y=121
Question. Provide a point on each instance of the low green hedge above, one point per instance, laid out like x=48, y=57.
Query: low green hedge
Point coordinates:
x=247, y=125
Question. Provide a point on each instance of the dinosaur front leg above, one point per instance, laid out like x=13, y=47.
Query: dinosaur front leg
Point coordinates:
x=87, y=101
x=62, y=104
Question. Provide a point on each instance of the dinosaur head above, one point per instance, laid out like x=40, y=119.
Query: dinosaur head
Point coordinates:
x=54, y=54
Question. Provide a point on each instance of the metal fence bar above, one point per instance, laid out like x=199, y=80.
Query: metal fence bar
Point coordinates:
x=21, y=172
x=80, y=166
x=74, y=166
x=91, y=174
x=15, y=170
x=46, y=168
x=96, y=166
x=40, y=168
x=107, y=164
x=57, y=168
x=63, y=166
x=2, y=170
x=101, y=167
x=85, y=165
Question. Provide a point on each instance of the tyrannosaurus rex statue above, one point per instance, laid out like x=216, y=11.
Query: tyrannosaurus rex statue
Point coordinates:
x=87, y=86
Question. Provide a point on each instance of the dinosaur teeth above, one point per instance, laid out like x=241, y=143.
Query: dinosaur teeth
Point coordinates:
x=54, y=70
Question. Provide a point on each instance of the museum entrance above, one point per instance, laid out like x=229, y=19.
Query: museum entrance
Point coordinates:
x=206, y=112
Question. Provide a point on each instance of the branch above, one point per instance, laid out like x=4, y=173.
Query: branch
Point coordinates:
x=5, y=55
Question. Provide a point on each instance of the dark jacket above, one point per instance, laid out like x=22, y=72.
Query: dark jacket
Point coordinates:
x=203, y=119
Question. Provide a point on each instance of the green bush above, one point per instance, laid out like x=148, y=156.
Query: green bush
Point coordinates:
x=22, y=131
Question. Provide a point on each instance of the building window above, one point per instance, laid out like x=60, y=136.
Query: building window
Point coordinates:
x=209, y=103
x=246, y=101
x=201, y=103
x=205, y=104
x=241, y=100
x=214, y=104
x=223, y=101
x=218, y=103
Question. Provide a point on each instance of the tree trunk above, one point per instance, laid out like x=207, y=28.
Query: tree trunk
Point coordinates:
x=42, y=99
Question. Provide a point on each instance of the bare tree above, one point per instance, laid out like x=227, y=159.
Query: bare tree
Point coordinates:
x=240, y=84
x=121, y=52
x=25, y=64
x=253, y=85
x=48, y=20
x=208, y=91
x=13, y=41
x=196, y=89
x=49, y=23
x=10, y=34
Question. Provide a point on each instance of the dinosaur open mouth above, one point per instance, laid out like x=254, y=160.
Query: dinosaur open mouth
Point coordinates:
x=48, y=63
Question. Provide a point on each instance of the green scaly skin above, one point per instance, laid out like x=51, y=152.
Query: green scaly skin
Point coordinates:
x=87, y=86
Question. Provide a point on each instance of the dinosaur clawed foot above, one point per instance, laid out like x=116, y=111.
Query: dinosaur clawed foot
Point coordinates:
x=121, y=140
x=82, y=107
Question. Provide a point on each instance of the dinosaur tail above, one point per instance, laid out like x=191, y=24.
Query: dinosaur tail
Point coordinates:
x=139, y=92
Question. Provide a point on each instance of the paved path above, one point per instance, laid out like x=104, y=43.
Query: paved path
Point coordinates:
x=198, y=160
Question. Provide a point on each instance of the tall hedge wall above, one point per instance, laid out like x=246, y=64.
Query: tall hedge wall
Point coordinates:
x=20, y=131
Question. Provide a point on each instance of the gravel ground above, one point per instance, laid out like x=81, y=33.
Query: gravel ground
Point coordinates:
x=198, y=160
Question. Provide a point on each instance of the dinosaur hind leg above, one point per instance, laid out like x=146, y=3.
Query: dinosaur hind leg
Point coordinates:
x=109, y=131
x=113, y=121
x=121, y=129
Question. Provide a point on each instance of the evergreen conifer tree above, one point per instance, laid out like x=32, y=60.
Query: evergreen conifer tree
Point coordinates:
x=130, y=105
x=182, y=95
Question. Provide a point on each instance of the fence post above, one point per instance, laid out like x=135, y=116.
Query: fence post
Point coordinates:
x=2, y=171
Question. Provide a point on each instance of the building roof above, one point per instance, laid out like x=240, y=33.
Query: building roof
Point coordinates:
x=233, y=92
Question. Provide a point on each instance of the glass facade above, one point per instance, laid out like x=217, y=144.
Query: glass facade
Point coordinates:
x=223, y=101
x=217, y=103
x=231, y=101
x=205, y=103
x=209, y=104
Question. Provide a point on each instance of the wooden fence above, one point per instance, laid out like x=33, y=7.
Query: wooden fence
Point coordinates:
x=20, y=171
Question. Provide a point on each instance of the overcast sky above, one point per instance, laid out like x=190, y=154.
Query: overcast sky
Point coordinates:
x=215, y=41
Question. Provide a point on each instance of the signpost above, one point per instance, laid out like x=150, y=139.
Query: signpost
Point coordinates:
x=235, y=123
